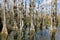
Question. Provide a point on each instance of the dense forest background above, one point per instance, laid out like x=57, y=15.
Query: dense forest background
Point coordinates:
x=17, y=16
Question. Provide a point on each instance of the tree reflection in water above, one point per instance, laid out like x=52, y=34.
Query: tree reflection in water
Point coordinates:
x=37, y=35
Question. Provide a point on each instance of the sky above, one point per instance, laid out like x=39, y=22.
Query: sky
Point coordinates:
x=46, y=4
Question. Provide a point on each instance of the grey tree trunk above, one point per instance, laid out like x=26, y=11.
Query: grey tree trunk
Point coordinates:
x=24, y=21
x=32, y=30
x=54, y=18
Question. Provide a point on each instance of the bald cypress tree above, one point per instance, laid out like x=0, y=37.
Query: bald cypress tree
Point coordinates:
x=4, y=30
x=54, y=18
x=32, y=30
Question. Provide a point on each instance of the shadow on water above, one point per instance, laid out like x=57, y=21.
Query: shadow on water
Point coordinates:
x=1, y=24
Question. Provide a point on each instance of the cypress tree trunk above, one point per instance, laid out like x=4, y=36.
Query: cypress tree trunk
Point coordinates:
x=24, y=21
x=41, y=20
x=32, y=30
x=20, y=18
x=4, y=30
x=54, y=16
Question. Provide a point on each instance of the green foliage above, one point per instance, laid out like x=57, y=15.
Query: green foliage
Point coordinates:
x=47, y=21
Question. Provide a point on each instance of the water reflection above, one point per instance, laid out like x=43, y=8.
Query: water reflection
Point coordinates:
x=26, y=35
x=42, y=35
x=39, y=35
